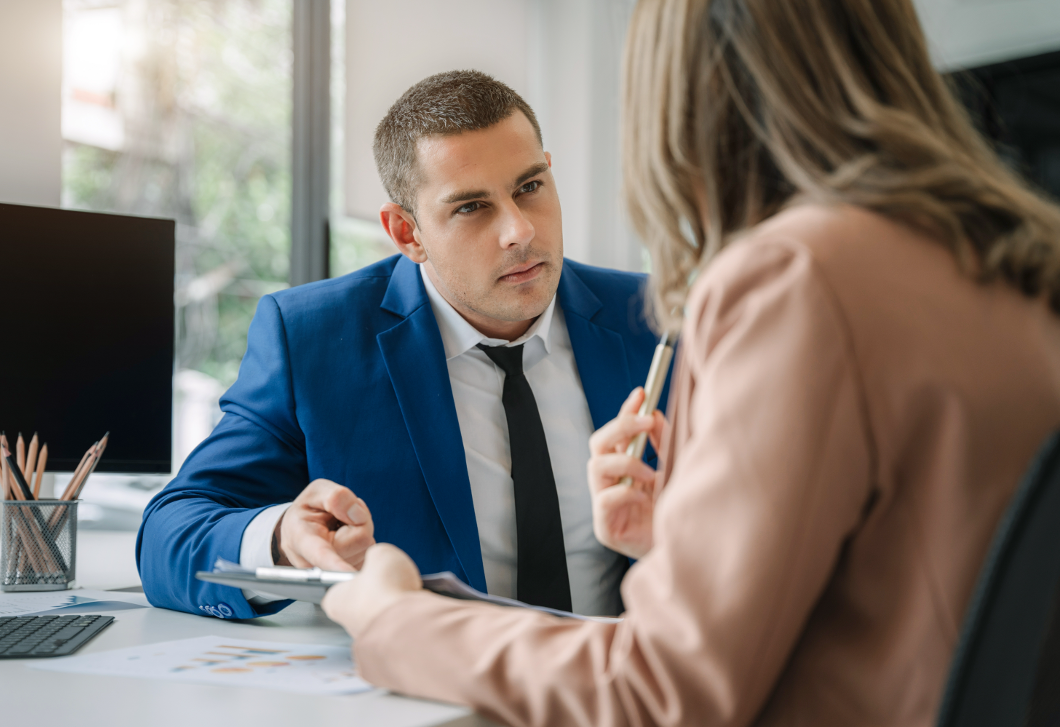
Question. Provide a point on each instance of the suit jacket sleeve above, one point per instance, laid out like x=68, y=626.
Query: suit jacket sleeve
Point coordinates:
x=254, y=458
x=770, y=477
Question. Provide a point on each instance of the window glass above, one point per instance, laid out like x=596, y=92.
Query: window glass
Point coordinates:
x=182, y=109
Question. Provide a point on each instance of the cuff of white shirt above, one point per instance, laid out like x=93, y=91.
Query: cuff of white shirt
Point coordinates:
x=255, y=550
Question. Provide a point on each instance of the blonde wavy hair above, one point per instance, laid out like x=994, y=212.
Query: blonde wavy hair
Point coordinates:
x=741, y=106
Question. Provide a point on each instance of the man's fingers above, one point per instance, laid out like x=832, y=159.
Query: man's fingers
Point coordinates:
x=336, y=500
x=359, y=513
x=321, y=554
x=350, y=541
x=606, y=469
x=298, y=561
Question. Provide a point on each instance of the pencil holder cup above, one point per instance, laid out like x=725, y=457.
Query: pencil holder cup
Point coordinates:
x=39, y=544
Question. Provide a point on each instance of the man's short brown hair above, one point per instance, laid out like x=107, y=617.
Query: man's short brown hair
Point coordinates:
x=442, y=104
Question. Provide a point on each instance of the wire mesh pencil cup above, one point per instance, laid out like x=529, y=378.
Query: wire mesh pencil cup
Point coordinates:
x=39, y=539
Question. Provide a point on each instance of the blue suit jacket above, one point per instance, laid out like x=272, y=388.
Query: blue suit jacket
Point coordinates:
x=346, y=379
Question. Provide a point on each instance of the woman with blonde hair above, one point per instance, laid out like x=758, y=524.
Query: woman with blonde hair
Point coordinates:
x=869, y=358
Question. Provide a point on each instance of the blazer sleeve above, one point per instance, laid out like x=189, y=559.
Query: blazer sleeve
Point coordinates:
x=254, y=458
x=771, y=474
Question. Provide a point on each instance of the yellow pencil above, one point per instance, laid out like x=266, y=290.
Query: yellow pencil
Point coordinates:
x=40, y=470
x=100, y=446
x=8, y=494
x=20, y=454
x=77, y=472
x=31, y=460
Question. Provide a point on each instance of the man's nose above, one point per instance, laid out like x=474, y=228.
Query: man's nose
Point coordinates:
x=516, y=229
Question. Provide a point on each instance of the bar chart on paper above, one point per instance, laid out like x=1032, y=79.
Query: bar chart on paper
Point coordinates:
x=302, y=668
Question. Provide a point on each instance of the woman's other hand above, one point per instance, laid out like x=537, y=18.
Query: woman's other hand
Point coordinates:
x=622, y=513
x=387, y=575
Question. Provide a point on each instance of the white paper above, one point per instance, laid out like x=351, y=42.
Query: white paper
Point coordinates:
x=223, y=661
x=21, y=604
x=63, y=602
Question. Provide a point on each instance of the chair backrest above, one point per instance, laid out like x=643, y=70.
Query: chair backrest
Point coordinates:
x=1006, y=669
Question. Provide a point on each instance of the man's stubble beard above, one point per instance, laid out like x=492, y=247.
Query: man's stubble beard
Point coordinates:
x=507, y=308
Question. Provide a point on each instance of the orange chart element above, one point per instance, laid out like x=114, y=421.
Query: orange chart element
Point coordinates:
x=267, y=663
x=230, y=670
x=307, y=657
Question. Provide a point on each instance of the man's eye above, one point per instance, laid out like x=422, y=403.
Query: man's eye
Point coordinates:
x=530, y=187
x=468, y=208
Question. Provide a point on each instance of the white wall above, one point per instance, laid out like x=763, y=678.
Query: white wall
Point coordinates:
x=30, y=110
x=968, y=33
x=578, y=55
x=384, y=58
x=562, y=56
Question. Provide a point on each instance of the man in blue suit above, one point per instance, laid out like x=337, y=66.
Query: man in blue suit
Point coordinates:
x=440, y=400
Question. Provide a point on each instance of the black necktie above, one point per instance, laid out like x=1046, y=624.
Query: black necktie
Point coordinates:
x=542, y=561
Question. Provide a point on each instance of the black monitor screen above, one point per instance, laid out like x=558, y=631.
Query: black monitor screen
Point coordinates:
x=1016, y=103
x=86, y=342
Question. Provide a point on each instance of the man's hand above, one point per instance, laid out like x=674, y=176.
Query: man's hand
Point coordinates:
x=387, y=575
x=327, y=526
x=622, y=514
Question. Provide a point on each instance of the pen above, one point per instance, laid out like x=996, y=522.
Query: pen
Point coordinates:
x=660, y=365
x=302, y=575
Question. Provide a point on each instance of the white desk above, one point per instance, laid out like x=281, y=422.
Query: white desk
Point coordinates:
x=29, y=696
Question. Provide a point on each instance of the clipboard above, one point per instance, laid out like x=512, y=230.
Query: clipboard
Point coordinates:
x=310, y=584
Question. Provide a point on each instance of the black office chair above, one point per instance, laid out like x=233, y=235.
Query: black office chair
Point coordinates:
x=1006, y=669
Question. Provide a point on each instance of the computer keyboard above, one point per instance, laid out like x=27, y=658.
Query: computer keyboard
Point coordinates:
x=30, y=637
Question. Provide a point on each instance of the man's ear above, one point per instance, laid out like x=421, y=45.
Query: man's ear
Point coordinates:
x=401, y=226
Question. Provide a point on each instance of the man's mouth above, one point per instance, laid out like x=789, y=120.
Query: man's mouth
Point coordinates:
x=523, y=273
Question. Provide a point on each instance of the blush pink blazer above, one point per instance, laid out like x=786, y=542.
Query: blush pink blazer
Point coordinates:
x=851, y=415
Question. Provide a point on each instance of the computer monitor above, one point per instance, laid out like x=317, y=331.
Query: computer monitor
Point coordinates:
x=86, y=335
x=1016, y=104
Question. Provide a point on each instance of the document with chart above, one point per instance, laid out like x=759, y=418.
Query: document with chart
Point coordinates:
x=223, y=661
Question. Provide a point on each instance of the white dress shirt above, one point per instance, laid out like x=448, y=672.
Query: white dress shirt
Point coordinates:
x=548, y=363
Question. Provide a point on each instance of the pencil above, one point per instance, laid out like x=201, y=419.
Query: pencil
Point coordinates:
x=81, y=474
x=8, y=492
x=32, y=545
x=78, y=481
x=8, y=479
x=31, y=461
x=102, y=445
x=77, y=472
x=40, y=469
x=20, y=454
x=24, y=524
x=16, y=471
x=35, y=525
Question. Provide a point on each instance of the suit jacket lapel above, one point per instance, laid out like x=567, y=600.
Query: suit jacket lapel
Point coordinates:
x=599, y=352
x=415, y=359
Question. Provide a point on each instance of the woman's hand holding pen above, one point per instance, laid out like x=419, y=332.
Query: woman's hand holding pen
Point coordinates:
x=622, y=514
x=327, y=526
